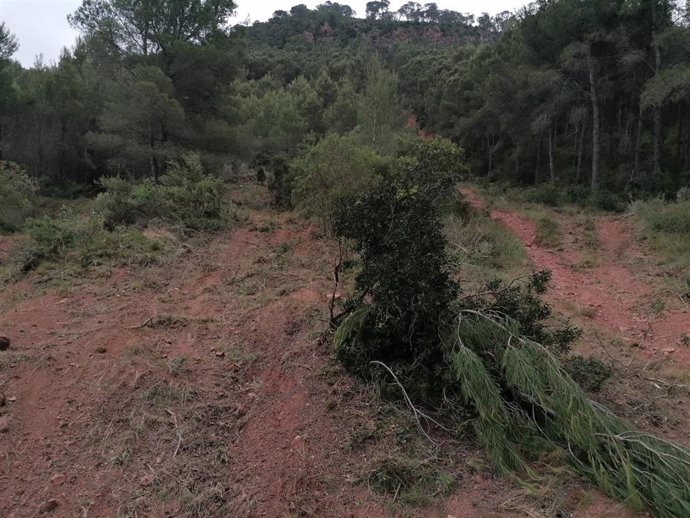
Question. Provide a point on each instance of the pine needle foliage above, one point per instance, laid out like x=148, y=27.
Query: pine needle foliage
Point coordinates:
x=635, y=467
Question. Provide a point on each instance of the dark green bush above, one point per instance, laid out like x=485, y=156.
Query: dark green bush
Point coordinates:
x=608, y=201
x=398, y=237
x=590, y=373
x=546, y=194
x=521, y=301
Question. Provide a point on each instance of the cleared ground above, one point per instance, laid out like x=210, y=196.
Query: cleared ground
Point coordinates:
x=205, y=386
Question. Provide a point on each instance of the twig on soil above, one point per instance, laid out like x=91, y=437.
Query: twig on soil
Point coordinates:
x=633, y=356
x=144, y=324
x=625, y=366
x=662, y=382
x=177, y=430
x=397, y=490
x=601, y=343
x=637, y=374
x=414, y=409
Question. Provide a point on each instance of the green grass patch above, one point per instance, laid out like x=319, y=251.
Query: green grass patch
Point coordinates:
x=548, y=232
x=78, y=241
x=666, y=227
x=483, y=248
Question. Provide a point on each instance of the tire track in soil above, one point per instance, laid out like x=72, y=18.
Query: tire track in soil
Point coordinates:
x=270, y=420
x=617, y=290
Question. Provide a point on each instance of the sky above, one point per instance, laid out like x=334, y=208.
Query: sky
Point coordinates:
x=42, y=29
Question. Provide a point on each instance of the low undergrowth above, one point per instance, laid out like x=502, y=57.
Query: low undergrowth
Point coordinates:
x=561, y=195
x=666, y=226
x=84, y=241
x=409, y=468
x=187, y=200
x=186, y=197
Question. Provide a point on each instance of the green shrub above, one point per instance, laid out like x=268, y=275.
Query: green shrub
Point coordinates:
x=608, y=201
x=17, y=193
x=590, y=373
x=186, y=196
x=548, y=194
x=399, y=239
x=520, y=300
x=557, y=195
x=434, y=165
x=74, y=238
x=334, y=168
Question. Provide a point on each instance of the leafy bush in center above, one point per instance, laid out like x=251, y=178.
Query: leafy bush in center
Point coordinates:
x=398, y=236
x=334, y=168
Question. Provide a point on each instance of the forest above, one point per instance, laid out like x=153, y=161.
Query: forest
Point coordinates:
x=591, y=96
x=396, y=255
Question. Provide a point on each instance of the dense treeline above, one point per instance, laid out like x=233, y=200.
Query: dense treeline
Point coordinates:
x=140, y=86
x=147, y=82
x=586, y=95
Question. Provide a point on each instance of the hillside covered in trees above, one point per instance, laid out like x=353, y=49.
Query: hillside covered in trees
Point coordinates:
x=588, y=95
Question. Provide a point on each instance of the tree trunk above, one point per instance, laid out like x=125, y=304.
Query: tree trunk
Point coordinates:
x=657, y=142
x=679, y=135
x=153, y=162
x=552, y=168
x=517, y=163
x=490, y=149
x=657, y=109
x=580, y=151
x=625, y=141
x=686, y=138
x=595, y=122
x=576, y=140
x=536, y=171
x=638, y=140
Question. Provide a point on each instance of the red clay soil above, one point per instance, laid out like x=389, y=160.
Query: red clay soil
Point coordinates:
x=202, y=387
x=616, y=291
x=116, y=386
